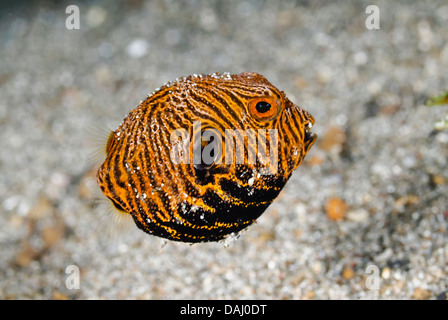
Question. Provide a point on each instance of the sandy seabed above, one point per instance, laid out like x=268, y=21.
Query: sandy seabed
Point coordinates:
x=378, y=162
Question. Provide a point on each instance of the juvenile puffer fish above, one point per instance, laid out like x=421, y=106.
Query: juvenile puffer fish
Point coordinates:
x=204, y=156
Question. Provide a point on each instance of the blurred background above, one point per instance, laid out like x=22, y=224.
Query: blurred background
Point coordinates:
x=372, y=191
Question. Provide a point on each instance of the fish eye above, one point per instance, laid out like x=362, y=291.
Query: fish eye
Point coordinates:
x=264, y=108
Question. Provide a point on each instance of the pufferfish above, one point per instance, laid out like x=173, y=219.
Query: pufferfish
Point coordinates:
x=152, y=171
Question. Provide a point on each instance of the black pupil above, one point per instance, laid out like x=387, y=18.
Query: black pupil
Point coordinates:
x=263, y=107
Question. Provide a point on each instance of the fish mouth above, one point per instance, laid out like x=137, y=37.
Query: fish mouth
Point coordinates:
x=310, y=137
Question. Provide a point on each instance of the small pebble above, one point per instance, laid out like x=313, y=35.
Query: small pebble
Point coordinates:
x=421, y=294
x=137, y=48
x=385, y=274
x=438, y=179
x=335, y=209
x=348, y=273
x=60, y=296
x=358, y=215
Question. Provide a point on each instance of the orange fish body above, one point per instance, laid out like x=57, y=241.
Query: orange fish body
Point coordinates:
x=204, y=156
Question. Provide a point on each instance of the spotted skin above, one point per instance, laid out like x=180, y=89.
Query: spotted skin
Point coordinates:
x=191, y=202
